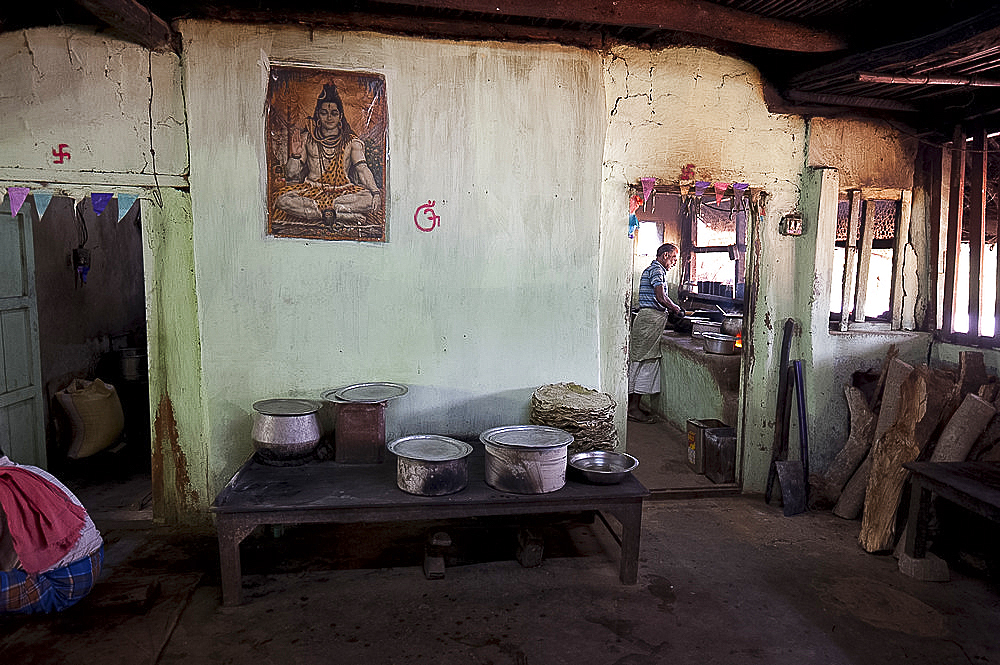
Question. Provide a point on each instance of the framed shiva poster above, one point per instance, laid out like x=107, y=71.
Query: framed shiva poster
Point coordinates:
x=326, y=154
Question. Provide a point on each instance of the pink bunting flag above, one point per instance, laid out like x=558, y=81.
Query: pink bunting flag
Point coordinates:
x=100, y=202
x=17, y=196
x=720, y=190
x=647, y=187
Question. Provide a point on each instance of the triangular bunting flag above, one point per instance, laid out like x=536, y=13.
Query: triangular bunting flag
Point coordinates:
x=739, y=189
x=17, y=196
x=125, y=202
x=720, y=190
x=700, y=186
x=42, y=200
x=100, y=202
x=633, y=225
x=647, y=187
x=634, y=203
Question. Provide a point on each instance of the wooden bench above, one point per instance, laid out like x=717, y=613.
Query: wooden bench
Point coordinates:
x=972, y=485
x=331, y=492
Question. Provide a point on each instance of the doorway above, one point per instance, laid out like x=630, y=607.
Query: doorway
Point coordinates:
x=696, y=385
x=90, y=295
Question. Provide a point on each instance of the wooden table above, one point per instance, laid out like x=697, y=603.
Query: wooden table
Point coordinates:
x=330, y=492
x=972, y=485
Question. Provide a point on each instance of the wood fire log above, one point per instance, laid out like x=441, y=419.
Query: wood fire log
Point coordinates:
x=895, y=376
x=852, y=497
x=963, y=429
x=943, y=397
x=859, y=440
x=887, y=476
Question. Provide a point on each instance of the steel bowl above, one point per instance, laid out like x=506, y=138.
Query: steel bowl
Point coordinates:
x=602, y=467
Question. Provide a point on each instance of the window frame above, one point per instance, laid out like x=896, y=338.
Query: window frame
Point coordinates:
x=857, y=259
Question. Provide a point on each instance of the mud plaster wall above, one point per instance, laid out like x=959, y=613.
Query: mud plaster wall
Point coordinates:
x=676, y=106
x=878, y=155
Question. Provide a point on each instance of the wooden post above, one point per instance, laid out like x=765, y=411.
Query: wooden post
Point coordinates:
x=977, y=227
x=900, y=241
x=864, y=261
x=850, y=280
x=955, y=205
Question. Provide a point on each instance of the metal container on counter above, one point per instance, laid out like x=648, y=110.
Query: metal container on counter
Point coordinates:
x=430, y=464
x=700, y=327
x=723, y=345
x=732, y=324
x=526, y=459
x=285, y=429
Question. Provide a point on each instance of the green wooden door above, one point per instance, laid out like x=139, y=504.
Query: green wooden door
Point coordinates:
x=22, y=427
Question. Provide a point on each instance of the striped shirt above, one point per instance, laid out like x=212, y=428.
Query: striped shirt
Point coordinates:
x=652, y=276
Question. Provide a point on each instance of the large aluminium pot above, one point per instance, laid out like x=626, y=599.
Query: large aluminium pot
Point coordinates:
x=285, y=429
x=430, y=465
x=526, y=459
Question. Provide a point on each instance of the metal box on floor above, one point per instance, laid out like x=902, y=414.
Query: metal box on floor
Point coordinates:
x=720, y=455
x=696, y=441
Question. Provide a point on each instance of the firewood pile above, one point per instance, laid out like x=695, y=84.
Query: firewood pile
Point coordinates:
x=914, y=414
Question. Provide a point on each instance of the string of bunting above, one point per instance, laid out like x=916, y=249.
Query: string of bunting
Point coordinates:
x=98, y=200
x=686, y=182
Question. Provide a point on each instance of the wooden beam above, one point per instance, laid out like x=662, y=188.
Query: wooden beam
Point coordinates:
x=977, y=226
x=936, y=156
x=901, y=239
x=134, y=21
x=693, y=16
x=972, y=81
x=850, y=280
x=955, y=205
x=985, y=26
x=864, y=262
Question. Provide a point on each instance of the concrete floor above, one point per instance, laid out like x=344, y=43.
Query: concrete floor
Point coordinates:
x=721, y=580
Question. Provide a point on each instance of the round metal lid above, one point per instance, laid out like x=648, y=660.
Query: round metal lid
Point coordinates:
x=286, y=407
x=429, y=448
x=371, y=393
x=526, y=436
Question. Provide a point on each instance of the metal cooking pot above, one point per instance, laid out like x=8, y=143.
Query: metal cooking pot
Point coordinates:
x=526, y=459
x=724, y=345
x=430, y=465
x=285, y=428
x=732, y=324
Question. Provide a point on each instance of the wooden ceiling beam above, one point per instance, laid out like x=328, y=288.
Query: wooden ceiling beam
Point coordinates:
x=691, y=16
x=134, y=21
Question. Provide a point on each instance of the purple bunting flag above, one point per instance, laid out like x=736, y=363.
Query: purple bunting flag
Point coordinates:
x=100, y=202
x=17, y=196
x=647, y=187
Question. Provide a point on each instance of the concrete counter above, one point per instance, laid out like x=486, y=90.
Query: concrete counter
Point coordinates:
x=696, y=384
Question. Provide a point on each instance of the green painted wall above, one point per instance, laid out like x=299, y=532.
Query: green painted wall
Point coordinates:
x=502, y=297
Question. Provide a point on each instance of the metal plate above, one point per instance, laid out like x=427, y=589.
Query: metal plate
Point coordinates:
x=286, y=407
x=526, y=436
x=370, y=393
x=429, y=448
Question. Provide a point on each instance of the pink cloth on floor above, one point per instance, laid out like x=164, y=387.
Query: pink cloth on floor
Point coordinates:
x=44, y=523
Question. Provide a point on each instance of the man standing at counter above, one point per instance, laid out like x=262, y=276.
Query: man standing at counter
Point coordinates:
x=644, y=340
